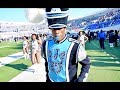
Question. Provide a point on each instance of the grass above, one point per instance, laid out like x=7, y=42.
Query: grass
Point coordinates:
x=10, y=48
x=11, y=70
x=103, y=67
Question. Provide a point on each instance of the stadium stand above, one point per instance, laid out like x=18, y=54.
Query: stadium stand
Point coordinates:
x=11, y=30
x=108, y=18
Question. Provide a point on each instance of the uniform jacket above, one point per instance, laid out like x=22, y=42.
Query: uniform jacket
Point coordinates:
x=61, y=60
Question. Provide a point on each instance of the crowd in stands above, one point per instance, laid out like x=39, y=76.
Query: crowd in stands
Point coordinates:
x=14, y=31
x=106, y=19
x=12, y=38
x=110, y=18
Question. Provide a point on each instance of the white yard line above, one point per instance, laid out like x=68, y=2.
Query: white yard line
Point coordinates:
x=105, y=52
x=4, y=46
x=29, y=76
x=10, y=58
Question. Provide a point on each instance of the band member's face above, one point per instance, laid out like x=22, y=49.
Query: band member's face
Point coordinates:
x=59, y=33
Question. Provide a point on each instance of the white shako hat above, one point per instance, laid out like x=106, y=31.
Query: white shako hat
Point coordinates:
x=57, y=17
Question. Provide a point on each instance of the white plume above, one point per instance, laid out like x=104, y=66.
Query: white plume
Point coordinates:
x=35, y=15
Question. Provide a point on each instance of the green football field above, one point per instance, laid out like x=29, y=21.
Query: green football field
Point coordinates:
x=103, y=63
x=7, y=48
x=11, y=70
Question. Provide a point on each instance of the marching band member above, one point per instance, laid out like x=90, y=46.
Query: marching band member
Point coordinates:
x=62, y=53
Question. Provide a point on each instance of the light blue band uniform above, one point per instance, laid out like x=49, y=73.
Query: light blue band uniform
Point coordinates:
x=61, y=65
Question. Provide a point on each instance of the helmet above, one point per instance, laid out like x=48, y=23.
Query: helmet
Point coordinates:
x=57, y=17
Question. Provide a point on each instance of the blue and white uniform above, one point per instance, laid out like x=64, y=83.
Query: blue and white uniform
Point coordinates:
x=62, y=60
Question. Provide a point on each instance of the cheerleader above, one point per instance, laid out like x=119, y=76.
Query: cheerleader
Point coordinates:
x=82, y=38
x=35, y=51
x=25, y=47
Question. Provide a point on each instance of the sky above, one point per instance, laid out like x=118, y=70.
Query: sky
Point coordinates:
x=18, y=14
x=82, y=12
x=12, y=14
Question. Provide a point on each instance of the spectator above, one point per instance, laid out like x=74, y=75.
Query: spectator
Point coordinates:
x=111, y=38
x=115, y=38
x=101, y=37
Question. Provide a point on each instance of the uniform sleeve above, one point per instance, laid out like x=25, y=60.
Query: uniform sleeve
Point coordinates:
x=85, y=62
x=44, y=56
x=43, y=50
